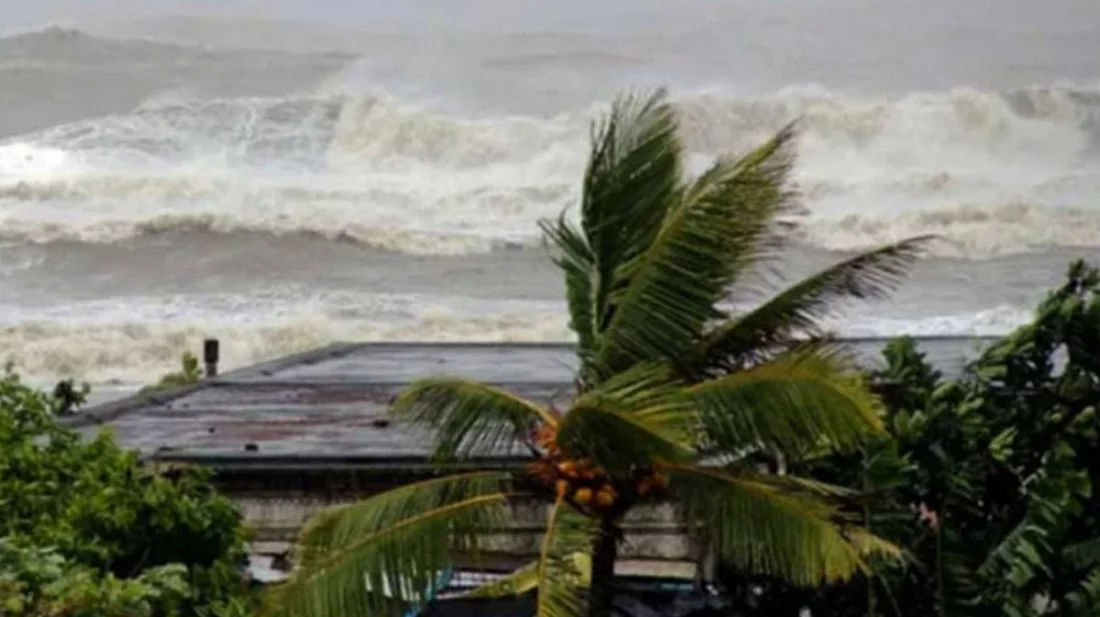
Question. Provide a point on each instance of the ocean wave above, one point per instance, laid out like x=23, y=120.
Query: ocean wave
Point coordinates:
x=964, y=231
x=139, y=351
x=108, y=209
x=995, y=321
x=992, y=173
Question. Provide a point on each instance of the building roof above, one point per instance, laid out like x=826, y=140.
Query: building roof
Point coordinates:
x=329, y=407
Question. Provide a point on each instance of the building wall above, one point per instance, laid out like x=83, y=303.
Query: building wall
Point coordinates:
x=654, y=545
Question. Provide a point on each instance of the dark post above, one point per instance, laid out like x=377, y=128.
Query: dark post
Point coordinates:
x=210, y=356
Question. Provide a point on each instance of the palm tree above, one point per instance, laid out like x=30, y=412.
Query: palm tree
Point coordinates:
x=676, y=397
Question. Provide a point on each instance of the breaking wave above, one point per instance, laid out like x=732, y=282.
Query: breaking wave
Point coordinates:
x=138, y=351
x=993, y=173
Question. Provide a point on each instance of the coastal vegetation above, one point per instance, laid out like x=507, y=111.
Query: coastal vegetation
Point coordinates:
x=188, y=375
x=86, y=530
x=986, y=481
x=679, y=397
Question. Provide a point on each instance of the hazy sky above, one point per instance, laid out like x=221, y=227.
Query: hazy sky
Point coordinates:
x=1014, y=14
x=880, y=45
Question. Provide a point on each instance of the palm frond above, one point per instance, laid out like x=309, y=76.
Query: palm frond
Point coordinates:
x=798, y=309
x=767, y=529
x=632, y=177
x=561, y=581
x=633, y=174
x=517, y=583
x=803, y=399
x=578, y=263
x=469, y=418
x=761, y=184
x=380, y=556
x=1084, y=554
x=829, y=493
x=1085, y=600
x=705, y=241
x=526, y=579
x=635, y=418
x=870, y=547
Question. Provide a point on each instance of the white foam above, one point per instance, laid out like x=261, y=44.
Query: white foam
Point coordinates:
x=372, y=170
x=138, y=351
x=23, y=161
x=133, y=341
x=991, y=173
x=991, y=322
x=968, y=230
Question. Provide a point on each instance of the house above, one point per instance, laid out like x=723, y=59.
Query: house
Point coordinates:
x=288, y=437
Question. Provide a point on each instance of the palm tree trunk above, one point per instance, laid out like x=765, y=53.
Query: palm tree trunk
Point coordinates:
x=604, y=551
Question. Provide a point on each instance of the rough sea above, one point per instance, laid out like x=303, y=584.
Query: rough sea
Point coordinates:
x=285, y=174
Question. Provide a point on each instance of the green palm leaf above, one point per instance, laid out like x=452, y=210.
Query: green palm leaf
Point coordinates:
x=802, y=399
x=469, y=418
x=1084, y=554
x=798, y=309
x=561, y=583
x=527, y=579
x=380, y=556
x=632, y=178
x=760, y=184
x=767, y=529
x=1085, y=600
x=634, y=419
x=706, y=239
x=578, y=263
x=517, y=583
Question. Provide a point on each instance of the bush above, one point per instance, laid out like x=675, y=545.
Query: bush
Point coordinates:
x=189, y=374
x=985, y=480
x=106, y=517
x=37, y=582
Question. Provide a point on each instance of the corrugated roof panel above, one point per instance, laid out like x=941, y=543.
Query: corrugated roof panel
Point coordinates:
x=396, y=362
x=331, y=403
x=270, y=419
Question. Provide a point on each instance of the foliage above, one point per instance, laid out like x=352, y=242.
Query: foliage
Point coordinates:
x=101, y=511
x=189, y=374
x=985, y=480
x=37, y=582
x=678, y=398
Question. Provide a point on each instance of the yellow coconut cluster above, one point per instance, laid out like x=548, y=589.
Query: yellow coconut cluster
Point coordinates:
x=584, y=483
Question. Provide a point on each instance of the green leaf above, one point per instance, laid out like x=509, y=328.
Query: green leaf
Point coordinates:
x=632, y=178
x=564, y=552
x=1084, y=554
x=469, y=418
x=800, y=400
x=380, y=556
x=797, y=310
x=707, y=238
x=527, y=578
x=579, y=265
x=634, y=419
x=770, y=529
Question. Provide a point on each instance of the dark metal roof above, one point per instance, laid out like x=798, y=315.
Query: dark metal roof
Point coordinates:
x=328, y=407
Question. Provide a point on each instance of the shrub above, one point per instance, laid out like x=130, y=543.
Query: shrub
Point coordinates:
x=189, y=374
x=986, y=480
x=36, y=582
x=94, y=505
